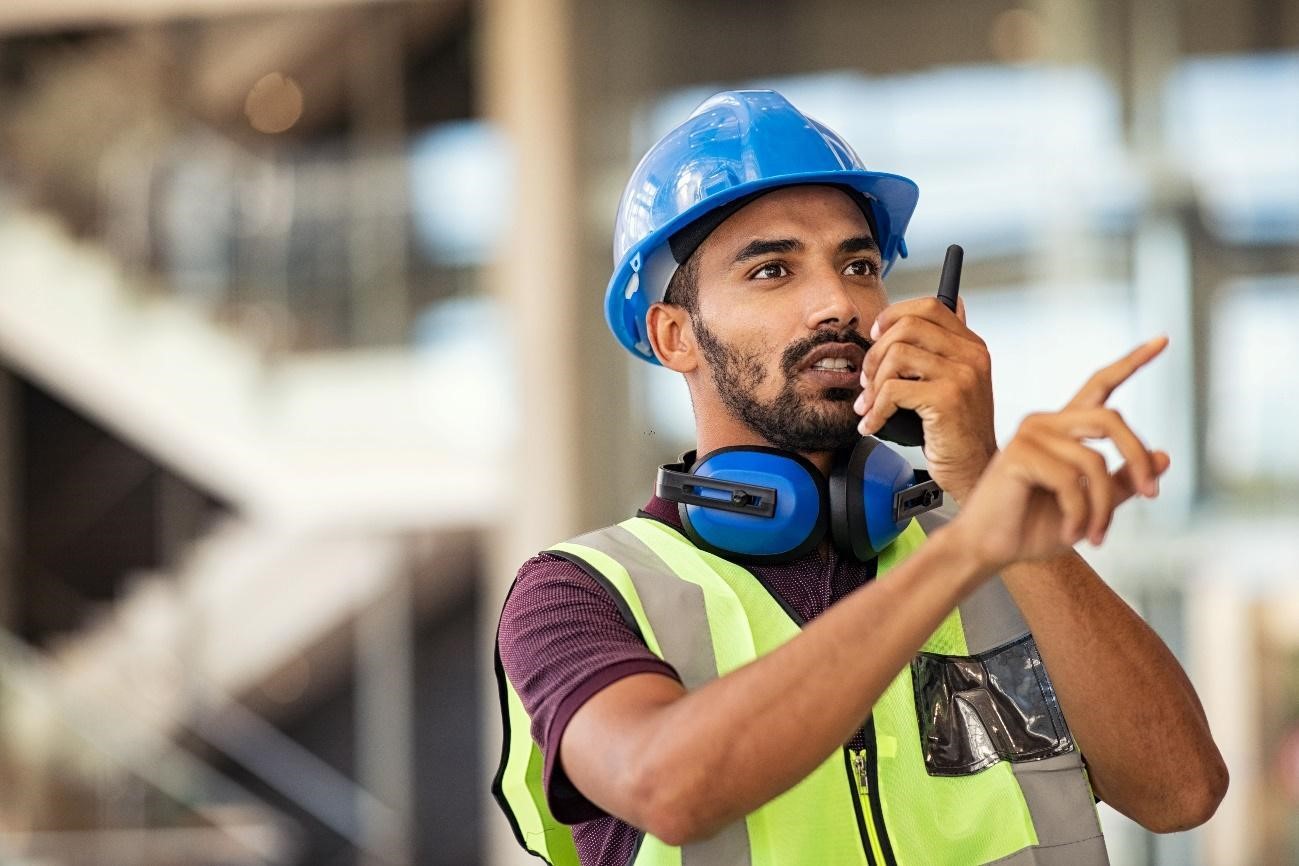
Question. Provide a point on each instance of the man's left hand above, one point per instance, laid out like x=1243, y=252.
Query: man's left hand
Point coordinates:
x=924, y=358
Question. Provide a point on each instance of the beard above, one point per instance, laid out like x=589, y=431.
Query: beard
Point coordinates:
x=791, y=421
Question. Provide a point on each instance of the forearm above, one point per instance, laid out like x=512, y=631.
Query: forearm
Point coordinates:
x=1132, y=710
x=715, y=754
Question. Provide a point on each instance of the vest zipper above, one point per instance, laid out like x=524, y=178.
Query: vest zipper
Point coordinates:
x=852, y=761
x=865, y=771
x=859, y=768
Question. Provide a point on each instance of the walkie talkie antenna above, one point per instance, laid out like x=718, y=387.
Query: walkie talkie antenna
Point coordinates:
x=950, y=281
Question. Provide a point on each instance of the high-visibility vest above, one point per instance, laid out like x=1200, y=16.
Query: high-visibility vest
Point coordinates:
x=932, y=786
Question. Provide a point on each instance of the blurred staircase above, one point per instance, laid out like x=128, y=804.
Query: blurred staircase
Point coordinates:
x=340, y=469
x=55, y=735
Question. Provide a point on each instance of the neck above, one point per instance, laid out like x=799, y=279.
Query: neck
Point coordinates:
x=729, y=434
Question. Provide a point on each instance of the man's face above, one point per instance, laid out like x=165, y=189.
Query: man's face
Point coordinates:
x=787, y=287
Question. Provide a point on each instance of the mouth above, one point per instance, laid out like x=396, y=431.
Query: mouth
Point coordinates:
x=833, y=364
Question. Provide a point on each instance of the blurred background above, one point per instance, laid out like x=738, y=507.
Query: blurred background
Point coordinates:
x=302, y=354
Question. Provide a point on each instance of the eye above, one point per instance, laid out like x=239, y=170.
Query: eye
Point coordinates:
x=862, y=268
x=771, y=271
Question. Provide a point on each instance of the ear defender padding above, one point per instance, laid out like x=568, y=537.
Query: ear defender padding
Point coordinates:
x=864, y=483
x=763, y=504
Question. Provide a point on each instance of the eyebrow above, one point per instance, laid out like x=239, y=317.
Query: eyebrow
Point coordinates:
x=762, y=247
x=859, y=244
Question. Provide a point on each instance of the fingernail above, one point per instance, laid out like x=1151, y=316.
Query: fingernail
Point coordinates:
x=859, y=405
x=875, y=330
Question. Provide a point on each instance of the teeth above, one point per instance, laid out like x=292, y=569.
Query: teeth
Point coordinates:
x=833, y=364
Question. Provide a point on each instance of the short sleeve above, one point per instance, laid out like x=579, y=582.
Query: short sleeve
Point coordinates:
x=562, y=639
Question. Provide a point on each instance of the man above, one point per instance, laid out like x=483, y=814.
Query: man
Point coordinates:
x=694, y=705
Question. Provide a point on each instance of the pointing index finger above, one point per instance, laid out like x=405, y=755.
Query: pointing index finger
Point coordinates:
x=1101, y=385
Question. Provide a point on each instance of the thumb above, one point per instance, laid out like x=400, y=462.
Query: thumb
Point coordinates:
x=1125, y=486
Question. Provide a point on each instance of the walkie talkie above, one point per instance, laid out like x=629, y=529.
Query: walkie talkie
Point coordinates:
x=904, y=426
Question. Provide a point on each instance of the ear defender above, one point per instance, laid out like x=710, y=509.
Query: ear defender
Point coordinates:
x=763, y=505
x=873, y=496
x=749, y=503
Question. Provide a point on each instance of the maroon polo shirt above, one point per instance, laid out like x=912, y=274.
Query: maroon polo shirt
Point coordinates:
x=562, y=640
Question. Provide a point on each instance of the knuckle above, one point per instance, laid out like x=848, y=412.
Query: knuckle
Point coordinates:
x=904, y=328
x=883, y=348
x=897, y=347
x=870, y=363
x=1014, y=450
x=1032, y=422
x=1095, y=461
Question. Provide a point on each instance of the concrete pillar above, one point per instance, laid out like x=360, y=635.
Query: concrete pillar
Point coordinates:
x=528, y=91
x=385, y=701
x=377, y=178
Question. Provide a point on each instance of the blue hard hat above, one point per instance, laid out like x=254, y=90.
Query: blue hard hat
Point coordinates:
x=737, y=143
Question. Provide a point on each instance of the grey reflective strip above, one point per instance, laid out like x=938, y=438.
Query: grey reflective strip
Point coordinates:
x=675, y=608
x=989, y=615
x=676, y=612
x=1061, y=803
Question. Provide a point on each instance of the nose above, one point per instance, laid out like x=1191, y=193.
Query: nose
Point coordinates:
x=831, y=305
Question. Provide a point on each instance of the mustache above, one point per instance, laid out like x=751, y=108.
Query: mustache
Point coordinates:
x=797, y=351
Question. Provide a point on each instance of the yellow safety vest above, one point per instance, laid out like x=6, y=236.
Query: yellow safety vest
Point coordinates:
x=943, y=779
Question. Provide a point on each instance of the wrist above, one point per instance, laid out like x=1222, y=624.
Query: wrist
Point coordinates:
x=960, y=556
x=960, y=485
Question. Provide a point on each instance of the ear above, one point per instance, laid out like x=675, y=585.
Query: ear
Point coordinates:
x=671, y=337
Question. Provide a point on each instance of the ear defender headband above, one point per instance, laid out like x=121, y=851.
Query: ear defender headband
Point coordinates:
x=762, y=505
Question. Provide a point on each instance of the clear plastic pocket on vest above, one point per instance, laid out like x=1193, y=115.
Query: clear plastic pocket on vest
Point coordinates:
x=977, y=710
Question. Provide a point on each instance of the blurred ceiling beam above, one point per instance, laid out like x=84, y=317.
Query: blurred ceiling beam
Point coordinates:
x=145, y=82
x=232, y=55
x=36, y=15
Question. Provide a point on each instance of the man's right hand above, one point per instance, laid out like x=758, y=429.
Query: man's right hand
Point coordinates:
x=1046, y=490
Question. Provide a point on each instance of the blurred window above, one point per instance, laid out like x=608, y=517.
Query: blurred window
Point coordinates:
x=1234, y=128
x=1254, y=382
x=460, y=191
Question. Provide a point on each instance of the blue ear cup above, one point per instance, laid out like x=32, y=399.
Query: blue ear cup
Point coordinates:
x=751, y=504
x=864, y=484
